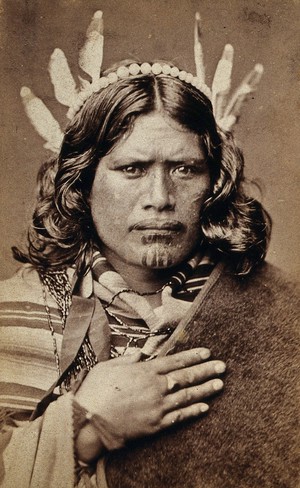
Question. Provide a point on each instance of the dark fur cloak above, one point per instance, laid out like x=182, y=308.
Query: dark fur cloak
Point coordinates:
x=250, y=436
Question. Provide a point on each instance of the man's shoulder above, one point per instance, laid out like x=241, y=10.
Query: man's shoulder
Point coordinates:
x=276, y=275
x=266, y=294
x=23, y=286
x=266, y=277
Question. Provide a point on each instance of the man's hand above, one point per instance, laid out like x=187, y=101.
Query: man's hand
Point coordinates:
x=134, y=399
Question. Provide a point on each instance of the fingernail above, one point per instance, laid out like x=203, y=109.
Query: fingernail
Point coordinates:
x=220, y=367
x=217, y=385
x=205, y=353
x=204, y=407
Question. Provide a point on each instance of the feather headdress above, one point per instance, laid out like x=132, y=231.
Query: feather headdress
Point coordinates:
x=73, y=96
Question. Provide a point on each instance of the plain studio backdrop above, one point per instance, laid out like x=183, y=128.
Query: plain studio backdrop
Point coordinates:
x=261, y=32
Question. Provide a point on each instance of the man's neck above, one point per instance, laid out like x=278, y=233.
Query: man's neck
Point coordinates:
x=139, y=278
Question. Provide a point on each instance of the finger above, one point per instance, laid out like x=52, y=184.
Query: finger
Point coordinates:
x=192, y=395
x=193, y=375
x=180, y=360
x=182, y=414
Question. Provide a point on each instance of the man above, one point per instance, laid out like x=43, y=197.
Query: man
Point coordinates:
x=144, y=240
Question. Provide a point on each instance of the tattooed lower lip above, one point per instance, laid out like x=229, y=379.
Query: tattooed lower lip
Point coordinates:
x=165, y=237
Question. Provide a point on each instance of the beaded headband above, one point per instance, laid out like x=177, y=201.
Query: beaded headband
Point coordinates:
x=226, y=111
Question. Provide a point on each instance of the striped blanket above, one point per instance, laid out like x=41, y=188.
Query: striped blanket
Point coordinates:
x=27, y=361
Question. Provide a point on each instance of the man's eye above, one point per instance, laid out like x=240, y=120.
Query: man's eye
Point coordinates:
x=133, y=171
x=186, y=170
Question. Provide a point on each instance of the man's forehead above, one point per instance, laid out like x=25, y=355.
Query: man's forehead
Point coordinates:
x=154, y=136
x=176, y=152
x=157, y=124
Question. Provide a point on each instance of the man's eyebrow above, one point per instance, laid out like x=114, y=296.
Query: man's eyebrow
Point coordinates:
x=130, y=160
x=187, y=160
x=140, y=160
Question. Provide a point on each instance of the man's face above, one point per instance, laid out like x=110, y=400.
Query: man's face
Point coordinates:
x=148, y=192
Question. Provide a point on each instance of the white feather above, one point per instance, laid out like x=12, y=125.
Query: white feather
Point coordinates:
x=42, y=119
x=222, y=81
x=198, y=51
x=91, y=54
x=226, y=123
x=62, y=79
x=248, y=85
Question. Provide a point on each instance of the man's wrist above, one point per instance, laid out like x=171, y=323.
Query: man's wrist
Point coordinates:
x=87, y=442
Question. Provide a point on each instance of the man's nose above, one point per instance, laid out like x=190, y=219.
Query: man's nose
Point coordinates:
x=159, y=192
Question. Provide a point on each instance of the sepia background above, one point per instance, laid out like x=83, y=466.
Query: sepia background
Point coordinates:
x=261, y=31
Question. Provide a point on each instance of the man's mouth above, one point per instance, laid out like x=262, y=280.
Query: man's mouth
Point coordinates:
x=158, y=226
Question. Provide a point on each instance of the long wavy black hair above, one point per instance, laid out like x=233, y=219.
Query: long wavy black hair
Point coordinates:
x=62, y=232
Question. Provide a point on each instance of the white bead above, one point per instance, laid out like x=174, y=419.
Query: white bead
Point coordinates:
x=123, y=72
x=156, y=68
x=134, y=69
x=182, y=75
x=77, y=106
x=81, y=96
x=112, y=77
x=95, y=86
x=71, y=113
x=103, y=82
x=194, y=81
x=174, y=71
x=166, y=69
x=204, y=89
x=146, y=68
x=88, y=90
x=207, y=92
x=189, y=78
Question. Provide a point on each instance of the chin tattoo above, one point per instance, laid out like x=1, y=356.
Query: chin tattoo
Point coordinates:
x=157, y=257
